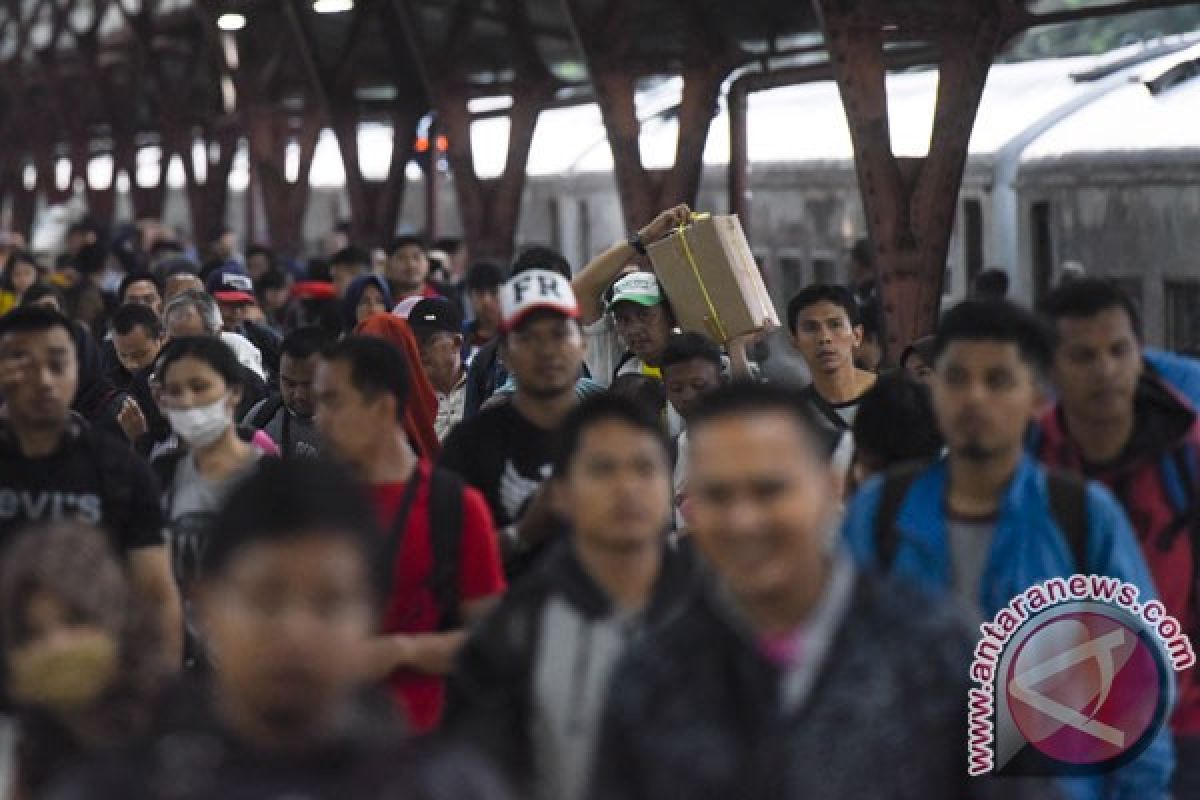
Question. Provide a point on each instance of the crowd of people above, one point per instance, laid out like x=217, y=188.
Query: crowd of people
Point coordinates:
x=372, y=526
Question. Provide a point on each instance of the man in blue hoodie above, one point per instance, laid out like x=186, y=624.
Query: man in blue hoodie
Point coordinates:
x=987, y=522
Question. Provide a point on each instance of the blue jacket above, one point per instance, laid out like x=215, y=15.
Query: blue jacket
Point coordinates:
x=1027, y=548
x=1181, y=372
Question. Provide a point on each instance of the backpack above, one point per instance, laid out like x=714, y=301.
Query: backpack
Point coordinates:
x=445, y=529
x=1068, y=505
x=267, y=412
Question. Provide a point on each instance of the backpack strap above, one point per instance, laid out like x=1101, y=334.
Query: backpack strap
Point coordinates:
x=895, y=488
x=1068, y=504
x=822, y=406
x=445, y=525
x=267, y=413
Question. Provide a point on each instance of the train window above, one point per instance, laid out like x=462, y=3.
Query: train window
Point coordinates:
x=1181, y=325
x=791, y=275
x=556, y=237
x=972, y=240
x=824, y=270
x=1043, y=250
x=585, y=231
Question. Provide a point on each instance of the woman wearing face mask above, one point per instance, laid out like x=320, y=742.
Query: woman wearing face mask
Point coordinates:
x=200, y=386
x=82, y=663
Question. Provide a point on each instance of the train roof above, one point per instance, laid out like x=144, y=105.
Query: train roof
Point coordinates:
x=1116, y=112
x=806, y=123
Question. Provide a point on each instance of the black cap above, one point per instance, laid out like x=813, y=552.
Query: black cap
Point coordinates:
x=433, y=315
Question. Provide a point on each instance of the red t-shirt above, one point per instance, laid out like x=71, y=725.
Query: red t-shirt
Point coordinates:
x=411, y=606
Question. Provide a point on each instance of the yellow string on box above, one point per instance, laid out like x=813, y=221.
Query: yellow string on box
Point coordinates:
x=714, y=316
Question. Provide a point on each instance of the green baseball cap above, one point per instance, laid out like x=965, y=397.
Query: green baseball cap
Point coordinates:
x=637, y=287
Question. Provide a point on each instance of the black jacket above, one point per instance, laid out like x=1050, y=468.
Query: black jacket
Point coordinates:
x=191, y=756
x=491, y=693
x=700, y=713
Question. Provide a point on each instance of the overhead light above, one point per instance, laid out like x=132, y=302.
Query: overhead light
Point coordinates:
x=231, y=22
x=332, y=6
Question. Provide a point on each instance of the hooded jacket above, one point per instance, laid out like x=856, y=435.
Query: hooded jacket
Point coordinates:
x=876, y=706
x=1157, y=482
x=531, y=683
x=1028, y=547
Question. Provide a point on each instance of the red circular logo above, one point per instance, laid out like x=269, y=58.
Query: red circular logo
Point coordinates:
x=1086, y=687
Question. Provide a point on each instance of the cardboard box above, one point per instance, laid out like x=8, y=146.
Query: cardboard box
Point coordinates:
x=712, y=280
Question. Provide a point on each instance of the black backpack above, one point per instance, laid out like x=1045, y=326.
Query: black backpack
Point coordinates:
x=1068, y=505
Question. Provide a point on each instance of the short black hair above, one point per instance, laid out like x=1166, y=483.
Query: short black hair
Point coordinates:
x=540, y=257
x=271, y=279
x=863, y=253
x=40, y=291
x=134, y=315
x=823, y=293
x=1087, y=297
x=406, y=241
x=285, y=500
x=138, y=277
x=351, y=256
x=35, y=319
x=997, y=321
x=261, y=250
x=604, y=408
x=745, y=398
x=449, y=244
x=646, y=391
x=208, y=349
x=304, y=343
x=484, y=275
x=684, y=347
x=991, y=283
x=376, y=367
x=895, y=422
x=871, y=319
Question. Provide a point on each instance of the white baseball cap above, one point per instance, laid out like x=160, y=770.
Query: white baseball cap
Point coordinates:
x=533, y=290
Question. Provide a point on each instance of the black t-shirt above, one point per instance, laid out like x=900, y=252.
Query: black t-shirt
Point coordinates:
x=92, y=477
x=503, y=455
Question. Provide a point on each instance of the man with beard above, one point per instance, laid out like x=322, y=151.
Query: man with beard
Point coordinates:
x=1120, y=422
x=987, y=522
x=507, y=451
x=288, y=416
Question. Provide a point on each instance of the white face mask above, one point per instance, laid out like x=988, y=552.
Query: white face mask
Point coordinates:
x=200, y=426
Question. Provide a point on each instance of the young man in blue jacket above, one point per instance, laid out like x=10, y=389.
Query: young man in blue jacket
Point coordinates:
x=981, y=523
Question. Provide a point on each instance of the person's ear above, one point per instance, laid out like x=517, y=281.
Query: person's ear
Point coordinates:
x=858, y=335
x=458, y=341
x=235, y=396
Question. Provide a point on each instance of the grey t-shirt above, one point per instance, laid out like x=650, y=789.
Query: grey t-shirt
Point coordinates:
x=970, y=545
x=192, y=504
x=295, y=436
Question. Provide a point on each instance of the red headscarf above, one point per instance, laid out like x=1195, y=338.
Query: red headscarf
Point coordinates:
x=422, y=401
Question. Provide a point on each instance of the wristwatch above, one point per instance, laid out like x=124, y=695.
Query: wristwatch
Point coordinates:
x=635, y=241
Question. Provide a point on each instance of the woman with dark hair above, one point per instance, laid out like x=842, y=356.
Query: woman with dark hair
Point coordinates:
x=21, y=272
x=83, y=666
x=422, y=401
x=366, y=295
x=199, y=387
